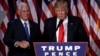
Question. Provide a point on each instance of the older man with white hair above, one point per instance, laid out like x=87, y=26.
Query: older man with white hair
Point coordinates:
x=21, y=33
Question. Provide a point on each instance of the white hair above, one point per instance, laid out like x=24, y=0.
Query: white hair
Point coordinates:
x=22, y=4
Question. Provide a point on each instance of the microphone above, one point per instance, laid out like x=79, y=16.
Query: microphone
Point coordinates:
x=60, y=22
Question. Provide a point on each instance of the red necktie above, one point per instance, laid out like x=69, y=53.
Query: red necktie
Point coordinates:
x=61, y=33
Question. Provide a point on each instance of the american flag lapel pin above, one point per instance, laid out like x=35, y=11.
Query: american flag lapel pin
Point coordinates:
x=71, y=23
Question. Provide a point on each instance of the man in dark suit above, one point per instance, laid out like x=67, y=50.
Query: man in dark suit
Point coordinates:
x=21, y=33
x=72, y=29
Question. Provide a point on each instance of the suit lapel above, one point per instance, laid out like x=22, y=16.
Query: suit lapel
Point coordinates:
x=53, y=29
x=54, y=25
x=30, y=24
x=70, y=28
x=21, y=28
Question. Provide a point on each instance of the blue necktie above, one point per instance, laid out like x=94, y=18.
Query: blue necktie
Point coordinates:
x=26, y=30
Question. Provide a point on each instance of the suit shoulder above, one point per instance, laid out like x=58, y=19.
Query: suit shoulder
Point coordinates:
x=34, y=24
x=75, y=18
x=51, y=19
x=13, y=21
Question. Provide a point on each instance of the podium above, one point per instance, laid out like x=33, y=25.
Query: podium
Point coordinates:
x=60, y=49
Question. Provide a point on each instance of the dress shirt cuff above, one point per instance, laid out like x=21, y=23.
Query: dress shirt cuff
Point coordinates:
x=15, y=44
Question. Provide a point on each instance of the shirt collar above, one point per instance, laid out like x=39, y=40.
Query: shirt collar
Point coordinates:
x=23, y=21
x=65, y=20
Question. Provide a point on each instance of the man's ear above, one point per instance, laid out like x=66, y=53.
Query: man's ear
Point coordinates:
x=55, y=11
x=67, y=10
x=18, y=12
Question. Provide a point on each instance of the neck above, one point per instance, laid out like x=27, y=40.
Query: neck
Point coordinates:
x=24, y=19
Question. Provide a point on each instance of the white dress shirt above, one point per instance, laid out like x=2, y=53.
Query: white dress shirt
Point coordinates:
x=27, y=22
x=65, y=23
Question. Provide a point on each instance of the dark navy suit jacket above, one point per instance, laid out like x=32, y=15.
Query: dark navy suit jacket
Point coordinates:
x=15, y=32
x=76, y=32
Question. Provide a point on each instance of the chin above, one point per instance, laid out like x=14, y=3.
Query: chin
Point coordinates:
x=61, y=18
x=25, y=19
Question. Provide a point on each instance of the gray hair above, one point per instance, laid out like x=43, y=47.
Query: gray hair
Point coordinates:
x=22, y=4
